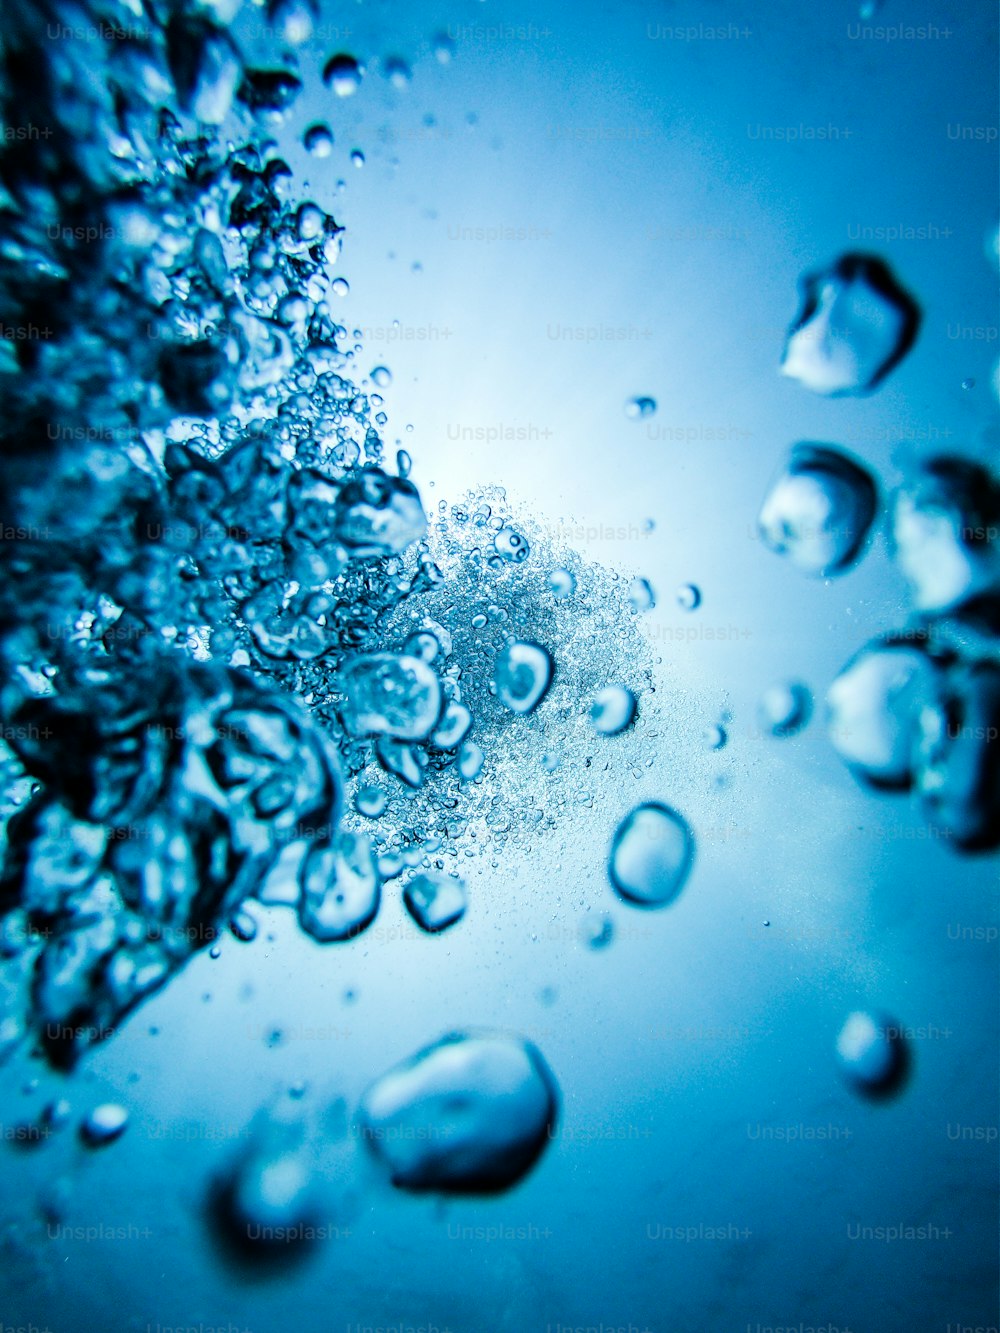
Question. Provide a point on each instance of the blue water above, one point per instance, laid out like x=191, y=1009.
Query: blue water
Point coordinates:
x=578, y=209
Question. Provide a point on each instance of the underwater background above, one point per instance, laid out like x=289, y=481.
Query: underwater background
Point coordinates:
x=554, y=257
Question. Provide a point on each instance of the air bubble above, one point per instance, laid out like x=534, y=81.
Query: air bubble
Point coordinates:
x=342, y=73
x=641, y=596
x=104, y=1125
x=613, y=710
x=562, y=584
x=435, y=901
x=318, y=140
x=784, y=708
x=855, y=325
x=636, y=408
x=522, y=676
x=470, y=1114
x=651, y=855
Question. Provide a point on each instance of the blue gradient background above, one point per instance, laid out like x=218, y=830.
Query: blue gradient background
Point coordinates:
x=647, y=205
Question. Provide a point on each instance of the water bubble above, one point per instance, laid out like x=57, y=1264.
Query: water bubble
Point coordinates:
x=379, y=515
x=873, y=710
x=651, y=855
x=309, y=222
x=469, y=1114
x=340, y=888
x=784, y=708
x=104, y=1124
x=435, y=901
x=871, y=1054
x=56, y=1114
x=267, y=1203
x=453, y=728
x=688, y=597
x=318, y=140
x=969, y=383
x=270, y=91
x=370, y=801
x=293, y=19
x=215, y=951
x=444, y=48
x=636, y=408
x=855, y=325
x=715, y=737
x=340, y=287
x=597, y=931
x=382, y=376
x=403, y=761
x=390, y=695
x=511, y=546
x=397, y=71
x=357, y=158
x=641, y=596
x=613, y=710
x=244, y=927
x=562, y=584
x=957, y=765
x=342, y=73
x=819, y=510
x=946, y=533
x=470, y=761
x=522, y=675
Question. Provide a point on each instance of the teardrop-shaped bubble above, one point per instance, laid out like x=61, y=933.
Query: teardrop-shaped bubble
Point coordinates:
x=871, y=1053
x=435, y=901
x=819, y=510
x=641, y=595
x=874, y=707
x=340, y=888
x=390, y=694
x=104, y=1124
x=522, y=675
x=562, y=584
x=638, y=407
x=784, y=708
x=379, y=515
x=613, y=710
x=855, y=325
x=469, y=1114
x=958, y=758
x=946, y=533
x=342, y=73
x=651, y=855
x=318, y=140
